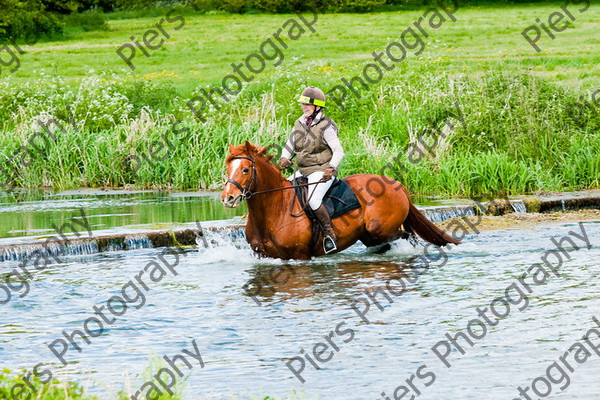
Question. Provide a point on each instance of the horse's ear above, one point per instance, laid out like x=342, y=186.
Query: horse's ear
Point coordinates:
x=230, y=148
x=263, y=150
x=269, y=156
x=249, y=146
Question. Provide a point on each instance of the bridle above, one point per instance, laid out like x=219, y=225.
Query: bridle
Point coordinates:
x=246, y=193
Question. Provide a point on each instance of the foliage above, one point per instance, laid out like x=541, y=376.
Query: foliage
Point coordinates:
x=44, y=18
x=519, y=133
x=61, y=6
x=26, y=19
x=53, y=390
x=155, y=363
x=285, y=6
x=87, y=21
x=56, y=390
x=529, y=122
x=234, y=6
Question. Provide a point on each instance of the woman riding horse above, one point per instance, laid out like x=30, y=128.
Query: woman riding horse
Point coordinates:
x=315, y=144
x=276, y=227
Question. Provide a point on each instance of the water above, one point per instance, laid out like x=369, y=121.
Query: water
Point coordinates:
x=245, y=345
x=48, y=249
x=33, y=213
x=518, y=206
x=442, y=213
x=28, y=213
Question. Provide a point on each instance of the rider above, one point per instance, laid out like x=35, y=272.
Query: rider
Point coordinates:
x=314, y=141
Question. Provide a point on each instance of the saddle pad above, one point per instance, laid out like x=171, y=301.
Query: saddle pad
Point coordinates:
x=338, y=200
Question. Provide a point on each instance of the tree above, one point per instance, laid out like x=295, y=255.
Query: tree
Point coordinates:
x=26, y=18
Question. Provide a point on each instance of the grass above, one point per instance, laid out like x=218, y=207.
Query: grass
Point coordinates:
x=203, y=49
x=11, y=382
x=525, y=130
x=12, y=386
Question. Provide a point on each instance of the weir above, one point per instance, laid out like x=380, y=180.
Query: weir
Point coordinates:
x=441, y=214
x=518, y=206
x=218, y=233
x=103, y=241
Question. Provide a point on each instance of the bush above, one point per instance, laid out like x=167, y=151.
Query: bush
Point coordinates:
x=53, y=390
x=61, y=6
x=27, y=19
x=286, y=6
x=144, y=4
x=361, y=5
x=234, y=6
x=88, y=21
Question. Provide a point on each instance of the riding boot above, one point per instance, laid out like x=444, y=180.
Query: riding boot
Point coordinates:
x=329, y=239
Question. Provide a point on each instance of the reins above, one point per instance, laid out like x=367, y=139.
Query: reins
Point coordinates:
x=247, y=193
x=287, y=187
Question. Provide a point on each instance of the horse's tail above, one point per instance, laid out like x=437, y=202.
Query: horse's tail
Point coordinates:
x=417, y=222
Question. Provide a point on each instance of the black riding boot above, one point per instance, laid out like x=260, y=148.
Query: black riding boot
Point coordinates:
x=329, y=239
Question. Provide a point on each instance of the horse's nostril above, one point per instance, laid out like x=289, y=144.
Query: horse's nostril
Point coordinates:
x=230, y=198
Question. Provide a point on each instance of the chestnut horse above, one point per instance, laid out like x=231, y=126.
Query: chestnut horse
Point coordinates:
x=272, y=231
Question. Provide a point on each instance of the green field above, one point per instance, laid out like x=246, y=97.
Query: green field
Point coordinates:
x=529, y=126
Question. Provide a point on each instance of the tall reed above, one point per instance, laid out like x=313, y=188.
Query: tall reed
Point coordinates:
x=520, y=133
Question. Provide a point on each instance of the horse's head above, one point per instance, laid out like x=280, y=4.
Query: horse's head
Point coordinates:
x=241, y=172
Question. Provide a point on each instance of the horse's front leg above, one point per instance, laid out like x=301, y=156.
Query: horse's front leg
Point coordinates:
x=285, y=239
x=291, y=238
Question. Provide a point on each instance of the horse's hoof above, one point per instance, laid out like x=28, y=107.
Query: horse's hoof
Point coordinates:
x=383, y=249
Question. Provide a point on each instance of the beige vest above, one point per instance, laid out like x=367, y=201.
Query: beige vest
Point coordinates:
x=312, y=153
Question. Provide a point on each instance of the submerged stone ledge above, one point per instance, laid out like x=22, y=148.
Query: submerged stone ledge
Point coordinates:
x=190, y=235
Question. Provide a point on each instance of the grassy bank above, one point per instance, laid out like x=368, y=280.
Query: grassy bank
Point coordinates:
x=41, y=384
x=528, y=125
x=12, y=386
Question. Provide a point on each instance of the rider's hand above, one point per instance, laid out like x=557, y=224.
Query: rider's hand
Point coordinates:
x=328, y=173
x=284, y=162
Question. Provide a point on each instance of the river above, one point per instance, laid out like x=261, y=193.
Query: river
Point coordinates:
x=248, y=336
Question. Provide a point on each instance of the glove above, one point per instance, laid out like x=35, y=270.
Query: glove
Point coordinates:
x=284, y=162
x=328, y=173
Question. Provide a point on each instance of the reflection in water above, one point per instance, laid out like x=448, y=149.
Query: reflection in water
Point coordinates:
x=33, y=213
x=294, y=281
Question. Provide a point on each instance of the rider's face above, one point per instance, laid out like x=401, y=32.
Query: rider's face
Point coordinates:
x=307, y=109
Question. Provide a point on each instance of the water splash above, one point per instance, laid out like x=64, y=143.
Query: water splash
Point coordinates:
x=227, y=244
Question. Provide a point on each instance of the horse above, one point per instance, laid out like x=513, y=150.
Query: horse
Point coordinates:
x=274, y=228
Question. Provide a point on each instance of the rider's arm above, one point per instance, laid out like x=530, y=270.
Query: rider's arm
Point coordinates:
x=288, y=149
x=331, y=138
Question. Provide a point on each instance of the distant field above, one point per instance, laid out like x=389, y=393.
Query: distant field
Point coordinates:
x=526, y=128
x=203, y=49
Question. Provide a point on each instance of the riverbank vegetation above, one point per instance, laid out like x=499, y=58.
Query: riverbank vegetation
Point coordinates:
x=529, y=121
x=12, y=386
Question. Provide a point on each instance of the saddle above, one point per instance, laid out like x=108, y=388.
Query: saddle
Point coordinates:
x=338, y=200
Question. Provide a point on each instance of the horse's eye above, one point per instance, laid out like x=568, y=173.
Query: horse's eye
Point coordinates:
x=245, y=170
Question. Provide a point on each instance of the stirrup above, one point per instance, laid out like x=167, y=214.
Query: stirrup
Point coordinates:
x=329, y=245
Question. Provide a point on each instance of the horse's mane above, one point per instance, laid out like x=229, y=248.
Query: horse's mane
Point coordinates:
x=253, y=151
